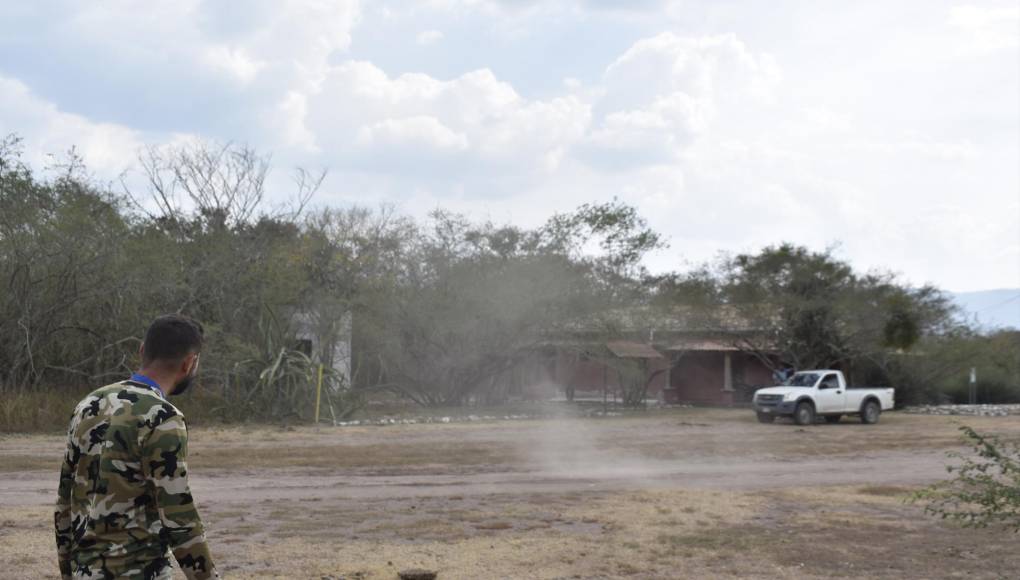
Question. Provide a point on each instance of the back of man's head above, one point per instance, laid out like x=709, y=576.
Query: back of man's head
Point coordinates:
x=169, y=339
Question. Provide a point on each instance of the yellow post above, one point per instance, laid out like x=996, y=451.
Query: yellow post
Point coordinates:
x=318, y=396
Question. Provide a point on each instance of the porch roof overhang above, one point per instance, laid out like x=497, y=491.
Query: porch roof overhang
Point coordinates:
x=702, y=344
x=630, y=349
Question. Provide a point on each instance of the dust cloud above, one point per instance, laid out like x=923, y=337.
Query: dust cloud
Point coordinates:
x=571, y=447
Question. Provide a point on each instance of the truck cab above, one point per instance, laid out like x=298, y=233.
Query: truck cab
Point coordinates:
x=807, y=395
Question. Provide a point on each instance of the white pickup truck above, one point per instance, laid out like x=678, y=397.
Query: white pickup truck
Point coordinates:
x=810, y=394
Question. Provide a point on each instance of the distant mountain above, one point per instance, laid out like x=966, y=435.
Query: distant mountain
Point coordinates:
x=992, y=308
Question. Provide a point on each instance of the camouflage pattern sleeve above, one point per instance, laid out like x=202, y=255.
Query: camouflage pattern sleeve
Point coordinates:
x=164, y=462
x=62, y=517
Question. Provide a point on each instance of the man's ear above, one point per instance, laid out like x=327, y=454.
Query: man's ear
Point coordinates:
x=185, y=367
x=190, y=362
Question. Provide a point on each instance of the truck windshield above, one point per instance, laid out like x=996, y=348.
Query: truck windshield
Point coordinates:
x=802, y=380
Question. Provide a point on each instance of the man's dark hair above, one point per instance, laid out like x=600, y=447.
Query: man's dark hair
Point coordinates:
x=170, y=338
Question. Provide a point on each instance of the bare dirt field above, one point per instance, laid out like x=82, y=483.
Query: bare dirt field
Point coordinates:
x=685, y=493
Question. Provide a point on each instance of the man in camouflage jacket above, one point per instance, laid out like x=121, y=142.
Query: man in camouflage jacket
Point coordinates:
x=124, y=503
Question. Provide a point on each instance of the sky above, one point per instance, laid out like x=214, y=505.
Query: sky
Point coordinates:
x=889, y=131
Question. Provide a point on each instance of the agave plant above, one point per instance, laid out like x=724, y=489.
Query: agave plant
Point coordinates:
x=282, y=382
x=285, y=382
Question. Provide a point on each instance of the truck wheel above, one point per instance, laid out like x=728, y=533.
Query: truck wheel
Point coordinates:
x=870, y=413
x=766, y=418
x=833, y=418
x=805, y=414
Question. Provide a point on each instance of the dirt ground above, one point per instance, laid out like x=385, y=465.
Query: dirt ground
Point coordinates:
x=685, y=493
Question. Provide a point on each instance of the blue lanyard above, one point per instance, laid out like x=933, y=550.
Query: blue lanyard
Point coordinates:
x=140, y=378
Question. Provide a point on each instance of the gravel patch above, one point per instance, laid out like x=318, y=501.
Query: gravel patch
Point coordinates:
x=590, y=413
x=967, y=410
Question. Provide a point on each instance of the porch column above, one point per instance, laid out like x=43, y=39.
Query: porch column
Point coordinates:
x=727, y=372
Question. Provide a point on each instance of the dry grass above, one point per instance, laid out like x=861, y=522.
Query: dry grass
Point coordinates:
x=254, y=448
x=548, y=536
x=584, y=531
x=48, y=410
x=509, y=445
x=798, y=534
x=26, y=542
x=392, y=456
x=727, y=432
x=881, y=536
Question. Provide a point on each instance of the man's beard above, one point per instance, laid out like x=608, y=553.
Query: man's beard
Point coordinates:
x=182, y=385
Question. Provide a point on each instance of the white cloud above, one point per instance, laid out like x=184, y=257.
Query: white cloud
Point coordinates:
x=358, y=105
x=702, y=67
x=224, y=35
x=892, y=128
x=665, y=91
x=427, y=37
x=288, y=121
x=292, y=32
x=655, y=134
x=239, y=59
x=938, y=150
x=987, y=28
x=107, y=148
x=234, y=62
x=503, y=7
x=420, y=131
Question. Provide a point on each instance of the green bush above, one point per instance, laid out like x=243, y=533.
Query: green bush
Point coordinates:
x=985, y=488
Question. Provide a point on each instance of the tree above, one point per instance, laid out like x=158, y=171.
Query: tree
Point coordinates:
x=473, y=301
x=790, y=306
x=621, y=235
x=816, y=312
x=468, y=302
x=64, y=314
x=216, y=185
x=948, y=360
x=85, y=270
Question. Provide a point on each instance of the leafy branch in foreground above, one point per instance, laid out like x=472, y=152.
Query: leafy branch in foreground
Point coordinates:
x=986, y=488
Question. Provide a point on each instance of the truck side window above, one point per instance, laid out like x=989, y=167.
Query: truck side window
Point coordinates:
x=830, y=382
